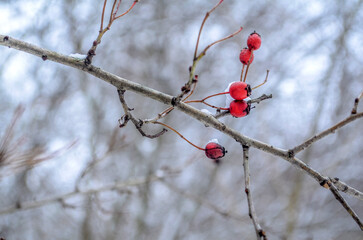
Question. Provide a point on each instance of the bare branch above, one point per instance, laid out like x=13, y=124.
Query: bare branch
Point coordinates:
x=110, y=187
x=325, y=133
x=344, y=203
x=260, y=233
x=345, y=188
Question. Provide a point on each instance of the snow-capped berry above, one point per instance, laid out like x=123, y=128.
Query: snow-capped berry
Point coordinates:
x=239, y=90
x=214, y=151
x=239, y=108
x=245, y=56
x=254, y=41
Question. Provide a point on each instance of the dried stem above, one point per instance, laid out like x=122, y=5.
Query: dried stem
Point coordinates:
x=260, y=233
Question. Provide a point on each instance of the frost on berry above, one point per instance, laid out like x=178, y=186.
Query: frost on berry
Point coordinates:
x=239, y=108
x=239, y=90
x=245, y=56
x=214, y=150
x=254, y=41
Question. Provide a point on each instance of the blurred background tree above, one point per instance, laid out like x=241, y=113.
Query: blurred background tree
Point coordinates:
x=314, y=53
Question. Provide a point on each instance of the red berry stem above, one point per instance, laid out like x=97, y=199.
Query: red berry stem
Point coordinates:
x=248, y=66
x=128, y=10
x=201, y=27
x=203, y=101
x=243, y=68
x=180, y=135
x=263, y=81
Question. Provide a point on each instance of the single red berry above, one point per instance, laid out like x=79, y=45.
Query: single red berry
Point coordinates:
x=240, y=90
x=239, y=108
x=254, y=41
x=245, y=56
x=214, y=151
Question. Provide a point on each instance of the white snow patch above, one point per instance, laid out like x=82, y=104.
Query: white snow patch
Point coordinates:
x=215, y=140
x=229, y=99
x=206, y=111
x=77, y=55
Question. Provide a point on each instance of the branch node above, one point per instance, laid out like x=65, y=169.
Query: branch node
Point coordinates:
x=291, y=153
x=6, y=38
x=324, y=184
x=44, y=57
x=175, y=101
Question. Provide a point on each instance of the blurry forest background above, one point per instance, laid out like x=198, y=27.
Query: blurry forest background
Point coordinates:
x=313, y=50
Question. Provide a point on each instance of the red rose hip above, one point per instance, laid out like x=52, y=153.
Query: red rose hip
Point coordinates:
x=245, y=56
x=239, y=90
x=239, y=108
x=214, y=151
x=254, y=41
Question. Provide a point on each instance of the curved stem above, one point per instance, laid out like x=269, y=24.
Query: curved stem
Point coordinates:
x=126, y=11
x=180, y=135
x=263, y=81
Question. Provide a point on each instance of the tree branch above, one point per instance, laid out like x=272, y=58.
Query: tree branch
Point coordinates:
x=343, y=187
x=325, y=133
x=113, y=186
x=344, y=203
x=260, y=233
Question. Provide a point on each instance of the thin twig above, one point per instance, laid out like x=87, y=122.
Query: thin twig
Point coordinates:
x=260, y=99
x=110, y=187
x=128, y=10
x=218, y=41
x=260, y=233
x=180, y=135
x=323, y=134
x=103, y=15
x=138, y=123
x=356, y=102
x=201, y=27
x=344, y=203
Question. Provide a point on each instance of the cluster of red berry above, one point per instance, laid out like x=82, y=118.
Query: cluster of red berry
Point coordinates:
x=239, y=91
